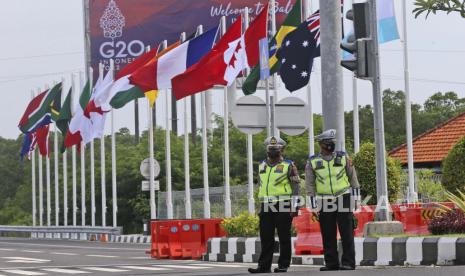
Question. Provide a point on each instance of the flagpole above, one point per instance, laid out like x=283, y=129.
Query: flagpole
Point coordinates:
x=47, y=176
x=102, y=168
x=227, y=188
x=33, y=175
x=150, y=111
x=73, y=153
x=311, y=141
x=412, y=195
x=65, y=185
x=153, y=206
x=57, y=193
x=41, y=191
x=187, y=183
x=41, y=184
x=83, y=167
x=47, y=171
x=273, y=78
x=113, y=162
x=169, y=201
x=65, y=168
x=92, y=157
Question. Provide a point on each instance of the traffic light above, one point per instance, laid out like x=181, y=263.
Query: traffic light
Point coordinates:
x=358, y=42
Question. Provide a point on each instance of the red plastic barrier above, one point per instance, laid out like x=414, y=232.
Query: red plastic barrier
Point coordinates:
x=308, y=240
x=415, y=218
x=183, y=239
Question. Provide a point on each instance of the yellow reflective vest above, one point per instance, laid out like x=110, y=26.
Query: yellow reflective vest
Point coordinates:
x=274, y=181
x=330, y=176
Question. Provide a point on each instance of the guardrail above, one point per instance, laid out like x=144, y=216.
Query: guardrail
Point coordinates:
x=61, y=232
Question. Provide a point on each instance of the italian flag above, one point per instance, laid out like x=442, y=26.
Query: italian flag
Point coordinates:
x=80, y=126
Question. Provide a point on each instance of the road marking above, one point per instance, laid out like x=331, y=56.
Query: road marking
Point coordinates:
x=32, y=251
x=6, y=249
x=65, y=271
x=64, y=253
x=23, y=272
x=102, y=256
x=143, y=267
x=220, y=265
x=104, y=269
x=25, y=260
x=72, y=246
x=183, y=266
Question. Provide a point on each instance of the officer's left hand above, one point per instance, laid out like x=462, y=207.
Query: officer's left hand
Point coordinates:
x=295, y=213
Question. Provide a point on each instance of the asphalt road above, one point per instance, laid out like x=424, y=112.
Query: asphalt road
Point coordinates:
x=51, y=257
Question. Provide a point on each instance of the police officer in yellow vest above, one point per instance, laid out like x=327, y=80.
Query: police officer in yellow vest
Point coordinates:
x=279, y=187
x=333, y=190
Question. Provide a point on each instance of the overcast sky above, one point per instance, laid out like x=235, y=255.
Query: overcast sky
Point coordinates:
x=41, y=41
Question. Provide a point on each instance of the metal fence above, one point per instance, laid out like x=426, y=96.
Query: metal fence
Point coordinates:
x=428, y=187
x=239, y=202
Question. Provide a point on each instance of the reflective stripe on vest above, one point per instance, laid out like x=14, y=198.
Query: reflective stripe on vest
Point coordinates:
x=330, y=179
x=274, y=182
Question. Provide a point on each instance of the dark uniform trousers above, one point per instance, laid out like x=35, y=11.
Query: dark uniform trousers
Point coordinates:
x=329, y=222
x=269, y=220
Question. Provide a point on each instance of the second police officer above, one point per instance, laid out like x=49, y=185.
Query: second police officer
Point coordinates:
x=330, y=177
x=278, y=181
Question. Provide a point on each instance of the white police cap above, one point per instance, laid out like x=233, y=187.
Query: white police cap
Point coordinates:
x=326, y=135
x=275, y=141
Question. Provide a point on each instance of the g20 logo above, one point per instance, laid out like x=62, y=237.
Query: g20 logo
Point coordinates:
x=121, y=49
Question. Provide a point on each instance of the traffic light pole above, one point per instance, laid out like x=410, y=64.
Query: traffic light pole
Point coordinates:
x=383, y=209
x=331, y=72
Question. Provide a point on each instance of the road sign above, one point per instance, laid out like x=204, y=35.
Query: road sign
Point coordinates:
x=249, y=115
x=145, y=168
x=146, y=185
x=292, y=116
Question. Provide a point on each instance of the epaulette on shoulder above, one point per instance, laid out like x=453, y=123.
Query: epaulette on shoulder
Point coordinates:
x=341, y=153
x=313, y=156
x=288, y=161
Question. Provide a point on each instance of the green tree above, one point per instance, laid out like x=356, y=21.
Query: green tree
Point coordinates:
x=433, y=6
x=365, y=165
x=453, y=165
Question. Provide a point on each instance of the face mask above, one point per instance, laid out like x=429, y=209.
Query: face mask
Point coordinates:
x=273, y=154
x=329, y=146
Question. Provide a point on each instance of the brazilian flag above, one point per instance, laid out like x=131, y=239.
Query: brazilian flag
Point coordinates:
x=293, y=19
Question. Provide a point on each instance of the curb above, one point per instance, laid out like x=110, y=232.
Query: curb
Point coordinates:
x=369, y=251
x=130, y=239
x=94, y=237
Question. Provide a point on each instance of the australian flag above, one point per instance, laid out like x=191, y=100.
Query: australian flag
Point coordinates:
x=297, y=52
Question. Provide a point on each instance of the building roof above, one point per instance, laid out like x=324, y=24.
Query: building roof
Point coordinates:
x=433, y=145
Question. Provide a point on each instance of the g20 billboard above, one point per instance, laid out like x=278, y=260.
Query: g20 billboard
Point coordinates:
x=122, y=29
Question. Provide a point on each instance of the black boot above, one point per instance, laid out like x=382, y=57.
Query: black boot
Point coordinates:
x=280, y=269
x=346, y=267
x=326, y=268
x=259, y=270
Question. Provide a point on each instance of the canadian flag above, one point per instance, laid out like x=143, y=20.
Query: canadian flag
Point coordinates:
x=245, y=52
x=232, y=54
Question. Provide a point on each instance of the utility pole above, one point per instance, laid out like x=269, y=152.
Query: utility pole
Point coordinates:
x=382, y=213
x=331, y=77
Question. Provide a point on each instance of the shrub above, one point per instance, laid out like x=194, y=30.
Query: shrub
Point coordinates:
x=244, y=225
x=365, y=165
x=429, y=189
x=451, y=222
x=452, y=168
